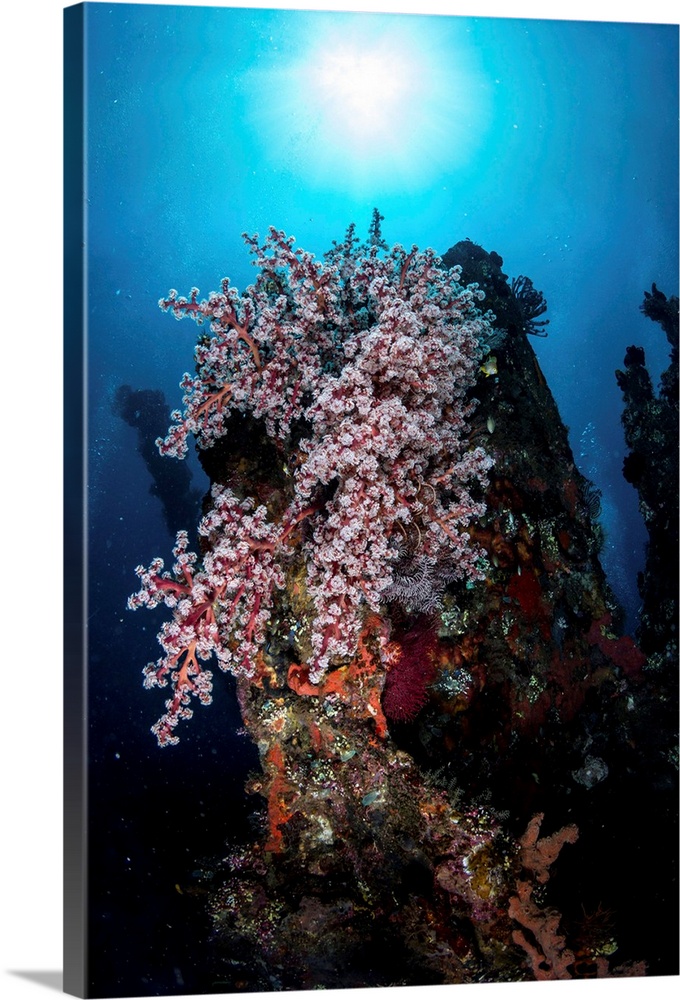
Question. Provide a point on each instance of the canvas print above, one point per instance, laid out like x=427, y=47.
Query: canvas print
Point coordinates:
x=372, y=509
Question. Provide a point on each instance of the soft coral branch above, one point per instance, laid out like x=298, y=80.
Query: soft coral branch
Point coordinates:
x=372, y=354
x=221, y=610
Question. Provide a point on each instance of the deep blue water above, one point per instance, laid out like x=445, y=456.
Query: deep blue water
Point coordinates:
x=553, y=143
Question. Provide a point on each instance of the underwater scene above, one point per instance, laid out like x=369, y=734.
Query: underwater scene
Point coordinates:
x=382, y=499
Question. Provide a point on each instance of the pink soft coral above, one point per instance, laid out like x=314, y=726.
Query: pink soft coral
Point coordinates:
x=371, y=356
x=223, y=609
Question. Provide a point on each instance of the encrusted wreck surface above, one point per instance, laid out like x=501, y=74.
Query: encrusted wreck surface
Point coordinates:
x=650, y=422
x=414, y=797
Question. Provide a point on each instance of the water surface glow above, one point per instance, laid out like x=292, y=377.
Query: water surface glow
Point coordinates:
x=366, y=103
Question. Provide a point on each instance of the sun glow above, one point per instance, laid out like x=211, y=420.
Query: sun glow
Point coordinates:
x=376, y=108
x=361, y=92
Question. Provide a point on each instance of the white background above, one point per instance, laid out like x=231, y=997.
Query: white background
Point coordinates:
x=30, y=497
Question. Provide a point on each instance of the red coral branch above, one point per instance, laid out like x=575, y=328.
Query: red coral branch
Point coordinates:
x=546, y=947
x=539, y=854
x=622, y=651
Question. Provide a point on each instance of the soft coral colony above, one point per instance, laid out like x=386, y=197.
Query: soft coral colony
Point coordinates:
x=360, y=369
x=421, y=637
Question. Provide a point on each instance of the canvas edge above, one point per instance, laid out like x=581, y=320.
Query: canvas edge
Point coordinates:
x=74, y=527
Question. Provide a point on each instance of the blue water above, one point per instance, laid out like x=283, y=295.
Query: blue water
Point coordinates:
x=553, y=143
